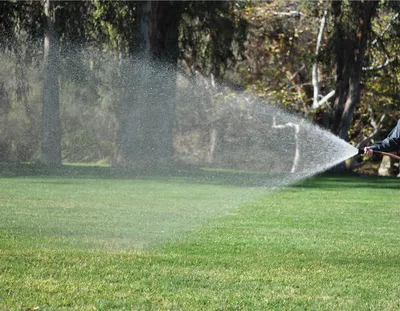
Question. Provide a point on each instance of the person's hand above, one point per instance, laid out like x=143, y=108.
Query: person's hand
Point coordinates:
x=368, y=151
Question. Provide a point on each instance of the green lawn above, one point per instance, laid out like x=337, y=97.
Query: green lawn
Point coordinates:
x=102, y=239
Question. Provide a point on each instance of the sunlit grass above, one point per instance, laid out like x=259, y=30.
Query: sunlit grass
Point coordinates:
x=332, y=243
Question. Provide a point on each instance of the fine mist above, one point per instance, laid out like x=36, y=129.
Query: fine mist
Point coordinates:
x=137, y=113
x=167, y=117
x=148, y=118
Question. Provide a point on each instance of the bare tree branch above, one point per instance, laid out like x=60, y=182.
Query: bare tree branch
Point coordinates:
x=323, y=100
x=375, y=125
x=296, y=86
x=390, y=24
x=297, y=72
x=379, y=67
x=377, y=40
x=290, y=14
x=296, y=136
x=315, y=78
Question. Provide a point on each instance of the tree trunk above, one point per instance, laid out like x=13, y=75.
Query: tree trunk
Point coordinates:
x=350, y=53
x=5, y=108
x=146, y=129
x=51, y=146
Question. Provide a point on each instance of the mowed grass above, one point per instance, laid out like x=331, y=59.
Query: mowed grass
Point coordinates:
x=71, y=242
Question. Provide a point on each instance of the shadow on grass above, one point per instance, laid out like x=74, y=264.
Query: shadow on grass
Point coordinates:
x=185, y=174
x=346, y=180
x=198, y=175
x=374, y=262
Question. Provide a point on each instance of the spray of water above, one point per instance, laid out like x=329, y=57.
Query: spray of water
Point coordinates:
x=167, y=116
x=162, y=118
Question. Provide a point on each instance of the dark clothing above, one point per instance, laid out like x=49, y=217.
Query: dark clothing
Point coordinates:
x=391, y=143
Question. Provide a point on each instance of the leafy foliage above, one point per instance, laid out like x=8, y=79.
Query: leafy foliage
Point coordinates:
x=266, y=47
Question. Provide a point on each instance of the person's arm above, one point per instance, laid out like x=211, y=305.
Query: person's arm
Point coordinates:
x=390, y=143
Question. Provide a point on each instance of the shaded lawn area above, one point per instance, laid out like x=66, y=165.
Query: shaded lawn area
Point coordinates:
x=88, y=239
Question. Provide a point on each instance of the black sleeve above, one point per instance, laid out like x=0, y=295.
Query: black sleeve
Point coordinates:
x=391, y=142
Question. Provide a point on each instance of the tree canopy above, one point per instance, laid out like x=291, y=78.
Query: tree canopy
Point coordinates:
x=334, y=62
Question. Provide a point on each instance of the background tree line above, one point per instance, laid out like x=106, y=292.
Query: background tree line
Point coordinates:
x=67, y=72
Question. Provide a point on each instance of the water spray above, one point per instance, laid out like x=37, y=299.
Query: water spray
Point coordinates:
x=391, y=155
